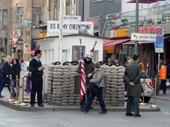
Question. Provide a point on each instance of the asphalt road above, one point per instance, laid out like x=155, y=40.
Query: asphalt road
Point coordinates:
x=12, y=118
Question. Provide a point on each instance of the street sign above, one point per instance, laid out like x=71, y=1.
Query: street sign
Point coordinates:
x=15, y=39
x=26, y=48
x=19, y=33
x=143, y=37
x=159, y=44
x=159, y=31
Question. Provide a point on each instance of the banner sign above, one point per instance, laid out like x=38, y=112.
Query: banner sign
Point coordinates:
x=69, y=27
x=72, y=18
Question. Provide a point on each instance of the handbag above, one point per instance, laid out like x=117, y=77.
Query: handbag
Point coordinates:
x=93, y=87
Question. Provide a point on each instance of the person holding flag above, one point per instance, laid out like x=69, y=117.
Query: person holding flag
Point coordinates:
x=85, y=68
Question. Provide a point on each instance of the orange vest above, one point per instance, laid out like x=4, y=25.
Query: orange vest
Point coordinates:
x=163, y=73
x=142, y=66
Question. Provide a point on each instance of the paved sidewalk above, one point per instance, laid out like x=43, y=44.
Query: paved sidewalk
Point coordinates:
x=3, y=101
x=162, y=96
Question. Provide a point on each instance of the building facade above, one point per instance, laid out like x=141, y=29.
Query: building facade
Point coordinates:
x=149, y=20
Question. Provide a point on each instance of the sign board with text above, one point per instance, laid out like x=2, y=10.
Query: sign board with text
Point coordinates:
x=143, y=37
x=69, y=27
x=159, y=44
x=26, y=48
x=72, y=18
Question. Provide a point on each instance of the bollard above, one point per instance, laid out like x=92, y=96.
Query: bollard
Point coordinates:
x=22, y=104
x=11, y=100
x=143, y=102
x=155, y=106
x=16, y=102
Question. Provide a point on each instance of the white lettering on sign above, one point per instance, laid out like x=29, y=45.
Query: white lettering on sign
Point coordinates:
x=143, y=37
x=69, y=27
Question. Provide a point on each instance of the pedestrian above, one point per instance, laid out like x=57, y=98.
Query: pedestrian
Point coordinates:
x=132, y=76
x=6, y=74
x=109, y=63
x=116, y=63
x=88, y=67
x=3, y=58
x=36, y=69
x=98, y=79
x=125, y=83
x=15, y=71
x=163, y=82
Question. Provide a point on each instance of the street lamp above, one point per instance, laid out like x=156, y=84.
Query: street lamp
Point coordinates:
x=27, y=23
x=117, y=22
x=136, y=25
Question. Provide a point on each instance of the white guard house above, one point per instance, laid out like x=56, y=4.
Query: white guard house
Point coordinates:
x=71, y=48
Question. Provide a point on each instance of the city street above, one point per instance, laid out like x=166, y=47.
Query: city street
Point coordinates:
x=13, y=118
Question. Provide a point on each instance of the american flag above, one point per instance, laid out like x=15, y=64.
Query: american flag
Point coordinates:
x=92, y=51
x=83, y=76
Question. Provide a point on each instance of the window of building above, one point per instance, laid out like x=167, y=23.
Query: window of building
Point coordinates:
x=5, y=18
x=76, y=54
x=20, y=12
x=95, y=56
x=36, y=15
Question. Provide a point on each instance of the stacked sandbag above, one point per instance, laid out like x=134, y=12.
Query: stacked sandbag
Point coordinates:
x=50, y=84
x=114, y=86
x=73, y=98
x=57, y=85
x=61, y=86
x=107, y=95
x=120, y=90
x=65, y=85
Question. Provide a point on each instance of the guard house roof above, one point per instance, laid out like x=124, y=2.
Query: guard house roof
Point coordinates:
x=71, y=35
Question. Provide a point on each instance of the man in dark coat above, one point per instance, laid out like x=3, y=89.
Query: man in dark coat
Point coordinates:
x=3, y=58
x=88, y=67
x=132, y=76
x=37, y=81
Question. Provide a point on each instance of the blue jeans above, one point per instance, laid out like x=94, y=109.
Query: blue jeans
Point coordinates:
x=13, y=88
x=100, y=99
x=2, y=86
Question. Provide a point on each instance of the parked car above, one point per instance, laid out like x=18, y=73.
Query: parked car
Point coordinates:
x=149, y=87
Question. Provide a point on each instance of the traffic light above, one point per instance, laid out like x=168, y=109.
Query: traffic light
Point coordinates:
x=14, y=47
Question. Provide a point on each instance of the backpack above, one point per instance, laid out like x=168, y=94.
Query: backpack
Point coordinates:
x=2, y=68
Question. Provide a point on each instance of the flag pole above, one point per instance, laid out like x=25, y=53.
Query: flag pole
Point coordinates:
x=95, y=43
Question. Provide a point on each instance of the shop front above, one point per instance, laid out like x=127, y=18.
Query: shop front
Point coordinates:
x=149, y=20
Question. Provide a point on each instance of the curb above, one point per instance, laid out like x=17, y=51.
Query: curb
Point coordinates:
x=69, y=108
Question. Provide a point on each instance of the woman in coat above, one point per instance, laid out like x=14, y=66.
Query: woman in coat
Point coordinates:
x=98, y=79
x=15, y=70
x=6, y=75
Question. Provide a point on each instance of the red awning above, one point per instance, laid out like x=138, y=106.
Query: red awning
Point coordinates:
x=109, y=45
x=141, y=42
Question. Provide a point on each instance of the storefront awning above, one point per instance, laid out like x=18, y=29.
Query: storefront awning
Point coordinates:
x=139, y=42
x=109, y=45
